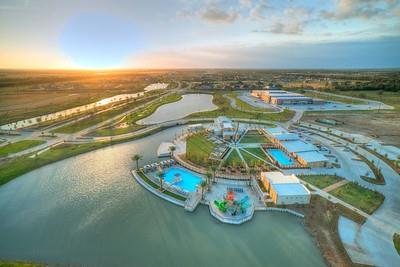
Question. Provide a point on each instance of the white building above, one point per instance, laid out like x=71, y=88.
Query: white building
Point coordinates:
x=285, y=189
x=223, y=126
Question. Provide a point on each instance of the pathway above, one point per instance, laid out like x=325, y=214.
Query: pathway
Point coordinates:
x=336, y=185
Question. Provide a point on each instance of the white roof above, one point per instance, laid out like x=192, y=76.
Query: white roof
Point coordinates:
x=287, y=136
x=311, y=156
x=227, y=125
x=291, y=190
x=298, y=146
x=280, y=178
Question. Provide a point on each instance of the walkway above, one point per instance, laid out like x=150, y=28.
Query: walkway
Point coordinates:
x=336, y=185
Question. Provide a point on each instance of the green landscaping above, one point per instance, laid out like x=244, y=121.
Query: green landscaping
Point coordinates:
x=254, y=137
x=359, y=197
x=19, y=264
x=198, y=149
x=251, y=160
x=321, y=181
x=233, y=159
x=396, y=242
x=132, y=118
x=225, y=109
x=19, y=146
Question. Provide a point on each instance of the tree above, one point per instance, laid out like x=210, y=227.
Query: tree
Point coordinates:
x=136, y=158
x=208, y=175
x=214, y=170
x=161, y=176
x=252, y=173
x=203, y=185
x=171, y=150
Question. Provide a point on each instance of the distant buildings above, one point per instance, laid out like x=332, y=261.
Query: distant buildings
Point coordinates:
x=274, y=95
x=285, y=189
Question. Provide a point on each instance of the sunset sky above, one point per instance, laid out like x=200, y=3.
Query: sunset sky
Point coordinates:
x=205, y=34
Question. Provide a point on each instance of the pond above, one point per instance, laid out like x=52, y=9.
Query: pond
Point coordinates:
x=189, y=104
x=88, y=210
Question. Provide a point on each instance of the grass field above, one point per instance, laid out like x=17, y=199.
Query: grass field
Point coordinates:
x=225, y=109
x=396, y=242
x=198, y=149
x=254, y=137
x=360, y=197
x=95, y=119
x=321, y=181
x=233, y=159
x=19, y=146
x=132, y=118
x=250, y=160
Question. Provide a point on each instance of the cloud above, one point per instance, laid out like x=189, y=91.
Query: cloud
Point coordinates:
x=361, y=9
x=217, y=15
x=257, y=12
x=246, y=3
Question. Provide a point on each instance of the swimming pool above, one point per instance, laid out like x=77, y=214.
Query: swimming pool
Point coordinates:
x=188, y=182
x=281, y=157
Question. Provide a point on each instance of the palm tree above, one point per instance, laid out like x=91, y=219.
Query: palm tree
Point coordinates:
x=171, y=151
x=203, y=186
x=136, y=158
x=214, y=170
x=208, y=175
x=161, y=175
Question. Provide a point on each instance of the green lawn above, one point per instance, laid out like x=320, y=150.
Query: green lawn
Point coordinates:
x=256, y=151
x=95, y=119
x=198, y=149
x=358, y=196
x=251, y=160
x=321, y=181
x=19, y=146
x=19, y=264
x=233, y=159
x=225, y=109
x=132, y=118
x=254, y=137
x=396, y=242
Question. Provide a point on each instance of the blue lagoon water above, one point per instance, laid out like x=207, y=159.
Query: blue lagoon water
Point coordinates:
x=281, y=157
x=188, y=182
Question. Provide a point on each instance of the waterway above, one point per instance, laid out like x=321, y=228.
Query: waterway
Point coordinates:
x=189, y=104
x=89, y=211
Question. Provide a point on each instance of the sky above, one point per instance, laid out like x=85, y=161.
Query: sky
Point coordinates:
x=103, y=34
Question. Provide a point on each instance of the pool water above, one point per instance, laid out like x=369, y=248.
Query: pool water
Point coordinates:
x=189, y=180
x=281, y=157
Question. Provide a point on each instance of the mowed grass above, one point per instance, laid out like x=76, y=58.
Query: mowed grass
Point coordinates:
x=225, y=109
x=256, y=151
x=233, y=159
x=254, y=137
x=321, y=181
x=19, y=146
x=198, y=149
x=359, y=197
x=396, y=242
x=243, y=105
x=250, y=159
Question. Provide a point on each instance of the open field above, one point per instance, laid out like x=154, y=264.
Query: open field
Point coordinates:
x=225, y=109
x=26, y=94
x=242, y=105
x=333, y=98
x=383, y=125
x=198, y=149
x=359, y=197
x=320, y=181
x=19, y=146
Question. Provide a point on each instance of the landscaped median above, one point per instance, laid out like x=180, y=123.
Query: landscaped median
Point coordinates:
x=19, y=146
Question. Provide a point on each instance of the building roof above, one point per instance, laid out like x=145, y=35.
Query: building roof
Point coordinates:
x=291, y=189
x=298, y=146
x=280, y=178
x=287, y=136
x=276, y=131
x=311, y=156
x=222, y=119
x=227, y=125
